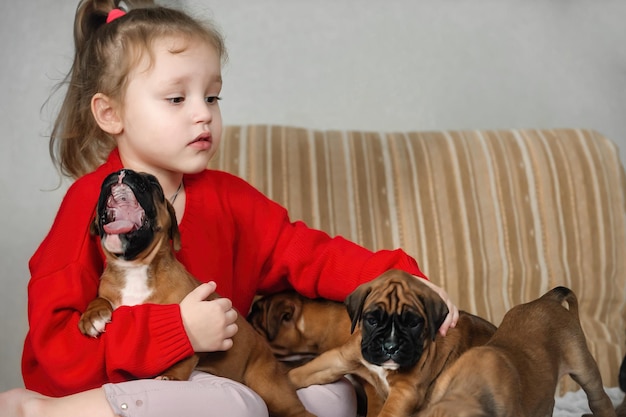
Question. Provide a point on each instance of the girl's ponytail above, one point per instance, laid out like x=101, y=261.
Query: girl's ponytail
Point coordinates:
x=90, y=16
x=77, y=145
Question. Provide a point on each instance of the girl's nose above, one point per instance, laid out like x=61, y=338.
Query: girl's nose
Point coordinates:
x=202, y=112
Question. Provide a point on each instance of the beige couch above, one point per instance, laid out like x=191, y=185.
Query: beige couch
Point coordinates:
x=495, y=217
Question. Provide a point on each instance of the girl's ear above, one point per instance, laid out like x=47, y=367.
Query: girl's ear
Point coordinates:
x=106, y=113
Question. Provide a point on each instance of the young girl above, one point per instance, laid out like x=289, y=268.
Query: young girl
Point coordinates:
x=143, y=94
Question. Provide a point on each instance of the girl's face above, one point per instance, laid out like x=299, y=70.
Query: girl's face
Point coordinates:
x=171, y=116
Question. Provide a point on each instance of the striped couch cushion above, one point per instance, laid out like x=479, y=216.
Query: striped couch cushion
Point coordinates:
x=497, y=218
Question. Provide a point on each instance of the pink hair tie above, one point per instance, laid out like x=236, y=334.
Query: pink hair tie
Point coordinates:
x=114, y=14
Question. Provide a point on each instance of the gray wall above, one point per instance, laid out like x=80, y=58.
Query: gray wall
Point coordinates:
x=359, y=64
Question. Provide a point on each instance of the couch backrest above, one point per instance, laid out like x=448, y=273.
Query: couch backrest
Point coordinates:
x=497, y=218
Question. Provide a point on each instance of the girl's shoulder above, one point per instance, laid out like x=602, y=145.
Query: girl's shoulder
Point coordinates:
x=70, y=229
x=88, y=186
x=89, y=183
x=84, y=192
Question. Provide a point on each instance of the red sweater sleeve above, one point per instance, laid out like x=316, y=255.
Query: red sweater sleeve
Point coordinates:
x=320, y=266
x=294, y=255
x=57, y=358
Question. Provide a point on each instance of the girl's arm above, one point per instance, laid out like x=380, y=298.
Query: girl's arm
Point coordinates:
x=317, y=265
x=312, y=262
x=292, y=254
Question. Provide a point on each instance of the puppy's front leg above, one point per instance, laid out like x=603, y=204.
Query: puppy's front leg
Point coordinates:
x=95, y=318
x=180, y=371
x=401, y=401
x=327, y=367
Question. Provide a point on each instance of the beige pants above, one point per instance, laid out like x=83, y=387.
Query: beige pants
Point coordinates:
x=208, y=395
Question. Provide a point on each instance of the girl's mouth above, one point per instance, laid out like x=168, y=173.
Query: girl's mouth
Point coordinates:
x=202, y=142
x=204, y=137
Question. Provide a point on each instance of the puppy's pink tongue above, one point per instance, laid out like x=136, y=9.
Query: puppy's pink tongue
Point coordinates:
x=119, y=227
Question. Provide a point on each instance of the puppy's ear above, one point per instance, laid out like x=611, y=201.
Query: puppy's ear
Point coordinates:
x=94, y=230
x=174, y=233
x=155, y=185
x=94, y=226
x=436, y=311
x=354, y=303
x=279, y=313
x=256, y=315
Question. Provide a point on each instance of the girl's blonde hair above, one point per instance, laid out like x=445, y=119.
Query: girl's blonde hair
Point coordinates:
x=105, y=54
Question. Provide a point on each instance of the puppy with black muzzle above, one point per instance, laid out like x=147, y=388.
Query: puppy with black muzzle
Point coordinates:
x=137, y=227
x=395, y=345
x=516, y=373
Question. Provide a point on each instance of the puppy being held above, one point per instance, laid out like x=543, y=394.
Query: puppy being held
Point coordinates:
x=516, y=373
x=136, y=224
x=299, y=329
x=395, y=344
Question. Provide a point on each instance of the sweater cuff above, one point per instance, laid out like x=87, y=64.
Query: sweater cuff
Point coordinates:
x=167, y=324
x=384, y=260
x=168, y=334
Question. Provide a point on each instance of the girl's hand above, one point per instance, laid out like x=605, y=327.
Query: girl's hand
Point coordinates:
x=453, y=312
x=210, y=325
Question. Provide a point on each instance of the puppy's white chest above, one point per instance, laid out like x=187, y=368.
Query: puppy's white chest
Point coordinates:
x=381, y=373
x=135, y=290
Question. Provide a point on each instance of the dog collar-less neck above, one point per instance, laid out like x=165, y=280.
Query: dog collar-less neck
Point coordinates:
x=173, y=197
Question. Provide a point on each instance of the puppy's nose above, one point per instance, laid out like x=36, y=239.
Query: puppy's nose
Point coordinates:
x=390, y=346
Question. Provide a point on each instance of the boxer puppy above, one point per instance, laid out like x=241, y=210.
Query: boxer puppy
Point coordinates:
x=516, y=373
x=300, y=328
x=136, y=224
x=395, y=344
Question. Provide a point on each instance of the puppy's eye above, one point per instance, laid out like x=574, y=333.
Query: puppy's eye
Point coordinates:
x=373, y=319
x=286, y=317
x=412, y=320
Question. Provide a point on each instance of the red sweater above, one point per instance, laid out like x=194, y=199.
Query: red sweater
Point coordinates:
x=231, y=234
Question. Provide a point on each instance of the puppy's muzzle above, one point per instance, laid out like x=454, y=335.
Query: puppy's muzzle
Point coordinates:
x=126, y=212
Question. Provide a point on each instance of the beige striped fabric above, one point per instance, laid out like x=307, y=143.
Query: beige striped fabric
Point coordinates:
x=497, y=218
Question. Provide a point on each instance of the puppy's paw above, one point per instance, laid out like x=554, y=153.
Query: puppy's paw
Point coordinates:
x=297, y=378
x=95, y=318
x=166, y=378
x=93, y=322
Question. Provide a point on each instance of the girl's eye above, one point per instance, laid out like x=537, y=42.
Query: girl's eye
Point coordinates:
x=176, y=100
x=212, y=99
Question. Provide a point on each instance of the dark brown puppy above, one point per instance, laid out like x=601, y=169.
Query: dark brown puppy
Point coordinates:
x=136, y=224
x=299, y=328
x=516, y=373
x=395, y=344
